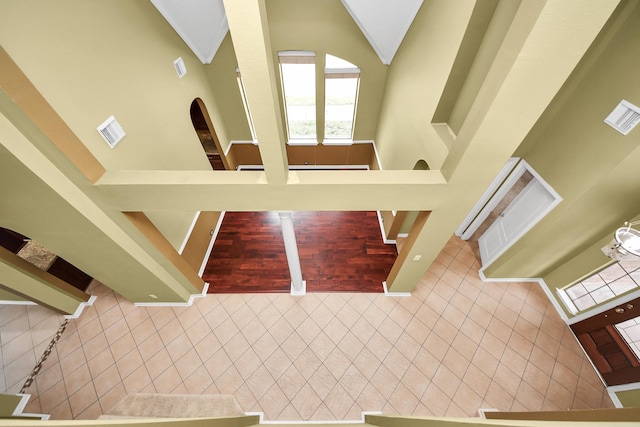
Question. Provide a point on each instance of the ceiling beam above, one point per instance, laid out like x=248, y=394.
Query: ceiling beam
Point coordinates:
x=250, y=35
x=250, y=191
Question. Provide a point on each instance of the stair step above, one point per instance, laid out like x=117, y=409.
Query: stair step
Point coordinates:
x=147, y=405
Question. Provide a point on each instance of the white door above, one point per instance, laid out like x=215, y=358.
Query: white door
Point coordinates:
x=521, y=214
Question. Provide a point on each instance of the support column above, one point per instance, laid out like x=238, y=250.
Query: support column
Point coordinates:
x=298, y=286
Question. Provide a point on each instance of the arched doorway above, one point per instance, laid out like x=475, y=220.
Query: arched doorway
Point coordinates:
x=421, y=165
x=207, y=135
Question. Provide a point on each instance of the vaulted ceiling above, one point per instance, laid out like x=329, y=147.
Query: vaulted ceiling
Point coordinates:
x=202, y=24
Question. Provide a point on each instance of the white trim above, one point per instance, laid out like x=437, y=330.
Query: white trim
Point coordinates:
x=612, y=390
x=308, y=167
x=81, y=307
x=24, y=399
x=384, y=236
x=344, y=70
x=563, y=314
x=403, y=234
x=175, y=304
x=566, y=300
x=540, y=281
x=469, y=225
x=11, y=302
x=216, y=41
x=250, y=167
x=189, y=231
x=340, y=142
x=223, y=29
x=517, y=172
x=296, y=53
x=394, y=294
x=302, y=142
x=239, y=142
x=614, y=398
x=211, y=242
x=604, y=307
x=321, y=167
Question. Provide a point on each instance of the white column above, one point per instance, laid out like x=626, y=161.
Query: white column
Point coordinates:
x=298, y=286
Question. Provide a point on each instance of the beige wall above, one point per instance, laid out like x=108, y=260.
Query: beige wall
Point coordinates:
x=327, y=28
x=93, y=60
x=416, y=78
x=224, y=85
x=592, y=167
x=629, y=398
x=126, y=70
x=90, y=61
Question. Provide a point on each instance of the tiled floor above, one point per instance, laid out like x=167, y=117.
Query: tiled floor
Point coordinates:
x=25, y=332
x=455, y=346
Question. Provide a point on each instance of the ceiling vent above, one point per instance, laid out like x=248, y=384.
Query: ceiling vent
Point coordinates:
x=624, y=117
x=181, y=69
x=111, y=131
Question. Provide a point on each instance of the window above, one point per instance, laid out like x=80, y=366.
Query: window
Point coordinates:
x=607, y=284
x=246, y=105
x=298, y=71
x=341, y=89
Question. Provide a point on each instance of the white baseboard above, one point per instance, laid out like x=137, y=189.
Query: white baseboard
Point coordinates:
x=175, y=304
x=394, y=294
x=81, y=307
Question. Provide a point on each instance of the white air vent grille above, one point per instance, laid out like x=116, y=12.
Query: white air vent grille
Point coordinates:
x=181, y=69
x=111, y=131
x=624, y=117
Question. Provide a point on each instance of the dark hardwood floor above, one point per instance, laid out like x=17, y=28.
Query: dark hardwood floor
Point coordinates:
x=339, y=252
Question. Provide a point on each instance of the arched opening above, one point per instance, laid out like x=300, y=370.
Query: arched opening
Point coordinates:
x=207, y=135
x=421, y=165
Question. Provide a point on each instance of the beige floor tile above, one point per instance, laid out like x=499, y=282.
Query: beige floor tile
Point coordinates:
x=82, y=399
x=456, y=344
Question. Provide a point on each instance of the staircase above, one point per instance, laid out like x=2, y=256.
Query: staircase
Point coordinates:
x=143, y=405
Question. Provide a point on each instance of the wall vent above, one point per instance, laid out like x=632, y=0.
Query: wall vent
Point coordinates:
x=181, y=69
x=624, y=117
x=111, y=131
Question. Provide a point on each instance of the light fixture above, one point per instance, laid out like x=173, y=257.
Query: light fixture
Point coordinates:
x=626, y=242
x=629, y=238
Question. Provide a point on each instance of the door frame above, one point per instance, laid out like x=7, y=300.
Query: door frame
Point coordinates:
x=498, y=188
x=520, y=168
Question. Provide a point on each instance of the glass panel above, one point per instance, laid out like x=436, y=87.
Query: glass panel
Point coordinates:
x=335, y=62
x=630, y=331
x=584, y=302
x=340, y=105
x=299, y=82
x=622, y=285
x=603, y=286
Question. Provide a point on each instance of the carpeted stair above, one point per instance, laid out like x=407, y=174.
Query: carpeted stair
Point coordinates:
x=144, y=405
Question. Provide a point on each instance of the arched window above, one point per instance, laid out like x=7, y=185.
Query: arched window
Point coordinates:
x=340, y=94
x=298, y=71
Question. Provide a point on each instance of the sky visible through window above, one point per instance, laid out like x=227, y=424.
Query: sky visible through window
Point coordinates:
x=299, y=81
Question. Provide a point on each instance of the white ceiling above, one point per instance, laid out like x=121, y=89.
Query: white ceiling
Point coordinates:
x=202, y=24
x=384, y=23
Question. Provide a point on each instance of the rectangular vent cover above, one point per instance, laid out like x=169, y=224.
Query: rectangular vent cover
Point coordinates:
x=111, y=131
x=624, y=117
x=181, y=69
